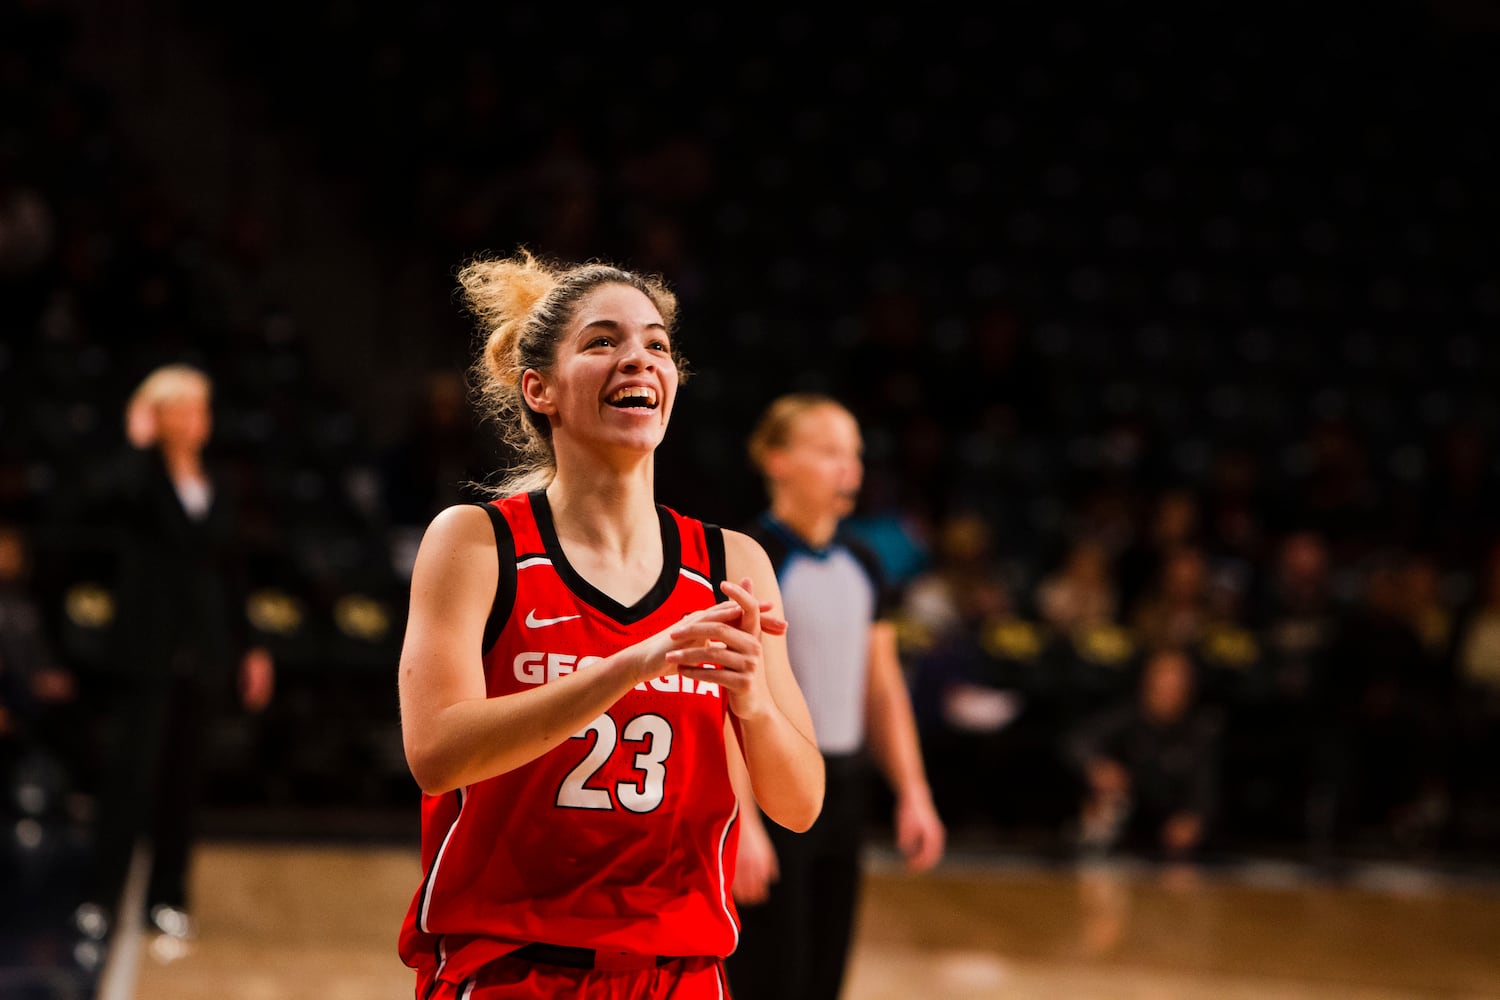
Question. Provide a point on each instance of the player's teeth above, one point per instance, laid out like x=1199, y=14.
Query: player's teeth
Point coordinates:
x=639, y=392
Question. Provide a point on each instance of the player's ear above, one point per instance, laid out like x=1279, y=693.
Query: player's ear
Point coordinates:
x=537, y=392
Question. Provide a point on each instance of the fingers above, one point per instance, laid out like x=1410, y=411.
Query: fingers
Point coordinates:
x=922, y=844
x=757, y=868
x=709, y=630
x=770, y=624
x=713, y=638
x=725, y=611
x=749, y=604
x=712, y=656
x=714, y=643
x=923, y=850
x=728, y=611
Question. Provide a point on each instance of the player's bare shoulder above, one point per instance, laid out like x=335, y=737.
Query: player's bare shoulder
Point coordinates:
x=743, y=551
x=457, y=534
x=744, y=556
x=459, y=522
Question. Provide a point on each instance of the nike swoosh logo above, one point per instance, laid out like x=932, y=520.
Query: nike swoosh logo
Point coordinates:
x=532, y=621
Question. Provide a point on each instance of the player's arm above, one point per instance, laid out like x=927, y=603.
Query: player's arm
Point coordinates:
x=756, y=866
x=453, y=733
x=776, y=736
x=897, y=750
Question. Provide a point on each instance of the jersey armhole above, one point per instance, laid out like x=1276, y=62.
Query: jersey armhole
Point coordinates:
x=505, y=586
x=887, y=596
x=713, y=537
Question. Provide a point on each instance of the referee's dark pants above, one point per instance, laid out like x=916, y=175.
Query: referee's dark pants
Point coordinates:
x=795, y=945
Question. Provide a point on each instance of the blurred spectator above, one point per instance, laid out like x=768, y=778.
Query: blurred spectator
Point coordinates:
x=961, y=590
x=1477, y=707
x=1228, y=652
x=440, y=456
x=1427, y=612
x=1081, y=593
x=1234, y=510
x=1335, y=493
x=1463, y=494
x=1479, y=636
x=982, y=686
x=1150, y=767
x=28, y=231
x=1298, y=617
x=1274, y=726
x=1386, y=744
x=1173, y=522
x=1108, y=513
x=33, y=680
x=1175, y=611
x=42, y=816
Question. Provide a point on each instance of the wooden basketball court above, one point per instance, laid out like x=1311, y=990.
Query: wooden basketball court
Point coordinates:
x=289, y=921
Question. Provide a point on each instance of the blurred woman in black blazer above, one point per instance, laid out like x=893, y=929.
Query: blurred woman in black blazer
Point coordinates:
x=184, y=644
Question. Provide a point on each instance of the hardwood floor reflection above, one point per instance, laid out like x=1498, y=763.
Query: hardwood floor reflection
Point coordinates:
x=298, y=922
x=1112, y=932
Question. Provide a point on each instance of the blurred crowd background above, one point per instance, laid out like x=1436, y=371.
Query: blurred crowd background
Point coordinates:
x=1171, y=332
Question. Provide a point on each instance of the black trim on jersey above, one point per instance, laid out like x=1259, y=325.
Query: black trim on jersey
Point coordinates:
x=505, y=587
x=775, y=538
x=671, y=565
x=780, y=541
x=713, y=536
x=886, y=600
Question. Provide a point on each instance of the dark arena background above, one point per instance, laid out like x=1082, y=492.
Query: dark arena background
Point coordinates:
x=1164, y=325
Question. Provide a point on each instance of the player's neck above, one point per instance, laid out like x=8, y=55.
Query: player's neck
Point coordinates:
x=609, y=514
x=813, y=527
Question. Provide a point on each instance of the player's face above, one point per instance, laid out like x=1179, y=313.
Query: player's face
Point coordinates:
x=614, y=380
x=822, y=465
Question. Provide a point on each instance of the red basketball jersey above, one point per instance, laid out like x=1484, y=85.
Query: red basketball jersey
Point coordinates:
x=621, y=838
